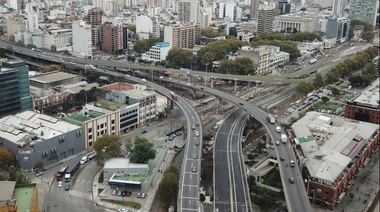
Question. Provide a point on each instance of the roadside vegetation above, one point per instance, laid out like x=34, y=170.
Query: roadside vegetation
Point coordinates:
x=168, y=188
x=133, y=205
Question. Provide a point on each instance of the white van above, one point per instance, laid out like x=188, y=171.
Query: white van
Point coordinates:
x=144, y=80
x=278, y=129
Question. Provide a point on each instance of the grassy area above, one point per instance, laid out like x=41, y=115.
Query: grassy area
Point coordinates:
x=101, y=178
x=134, y=205
x=100, y=190
x=273, y=178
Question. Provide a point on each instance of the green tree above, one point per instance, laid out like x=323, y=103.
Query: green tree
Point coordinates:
x=53, y=48
x=18, y=176
x=168, y=189
x=10, y=49
x=209, y=32
x=325, y=99
x=132, y=28
x=367, y=36
x=304, y=88
x=12, y=38
x=7, y=157
x=52, y=67
x=202, y=197
x=285, y=46
x=144, y=45
x=318, y=81
x=106, y=147
x=356, y=80
x=142, y=151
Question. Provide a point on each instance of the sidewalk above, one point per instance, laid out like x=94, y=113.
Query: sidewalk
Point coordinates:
x=149, y=198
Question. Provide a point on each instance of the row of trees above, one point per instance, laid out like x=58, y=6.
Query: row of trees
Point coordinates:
x=168, y=189
x=143, y=45
x=239, y=66
x=298, y=36
x=286, y=46
x=347, y=68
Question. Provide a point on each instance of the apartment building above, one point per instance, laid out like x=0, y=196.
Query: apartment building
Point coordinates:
x=265, y=17
x=15, y=25
x=14, y=87
x=55, y=39
x=182, y=35
x=259, y=55
x=364, y=10
x=332, y=151
x=113, y=37
x=82, y=38
x=366, y=106
x=187, y=11
x=94, y=18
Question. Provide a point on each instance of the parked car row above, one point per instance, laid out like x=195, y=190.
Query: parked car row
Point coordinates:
x=121, y=193
x=174, y=134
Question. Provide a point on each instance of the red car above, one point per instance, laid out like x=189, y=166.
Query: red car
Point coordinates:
x=291, y=180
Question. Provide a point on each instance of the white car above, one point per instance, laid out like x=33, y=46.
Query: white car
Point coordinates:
x=123, y=210
x=128, y=76
x=161, y=77
x=59, y=184
x=196, y=133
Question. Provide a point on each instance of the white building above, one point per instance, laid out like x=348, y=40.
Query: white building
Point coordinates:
x=221, y=9
x=162, y=103
x=32, y=20
x=277, y=58
x=82, y=38
x=60, y=38
x=147, y=104
x=204, y=17
x=158, y=52
x=302, y=23
x=259, y=55
x=144, y=24
x=230, y=10
x=187, y=11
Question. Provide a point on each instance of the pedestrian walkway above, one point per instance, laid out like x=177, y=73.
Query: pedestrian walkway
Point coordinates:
x=80, y=194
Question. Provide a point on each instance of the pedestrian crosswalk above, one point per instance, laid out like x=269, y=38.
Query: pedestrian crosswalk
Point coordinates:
x=80, y=194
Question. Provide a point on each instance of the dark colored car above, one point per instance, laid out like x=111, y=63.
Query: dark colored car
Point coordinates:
x=291, y=180
x=143, y=132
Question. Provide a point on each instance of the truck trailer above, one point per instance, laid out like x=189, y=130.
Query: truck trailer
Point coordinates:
x=87, y=157
x=71, y=170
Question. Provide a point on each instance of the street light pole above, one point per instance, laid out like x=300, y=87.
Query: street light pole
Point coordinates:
x=206, y=75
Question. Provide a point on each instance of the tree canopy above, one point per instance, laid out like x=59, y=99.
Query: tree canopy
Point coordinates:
x=240, y=66
x=168, y=189
x=304, y=88
x=7, y=157
x=53, y=67
x=181, y=57
x=210, y=32
x=142, y=151
x=132, y=28
x=284, y=45
x=106, y=147
x=144, y=45
x=298, y=36
x=218, y=50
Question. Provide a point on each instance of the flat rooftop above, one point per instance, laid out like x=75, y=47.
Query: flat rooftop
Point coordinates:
x=7, y=188
x=23, y=126
x=139, y=94
x=81, y=86
x=24, y=196
x=79, y=118
x=370, y=96
x=329, y=143
x=52, y=77
x=108, y=105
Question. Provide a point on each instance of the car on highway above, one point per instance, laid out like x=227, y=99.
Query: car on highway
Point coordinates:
x=282, y=158
x=143, y=132
x=123, y=210
x=278, y=143
x=144, y=80
x=193, y=127
x=128, y=76
x=292, y=163
x=241, y=103
x=67, y=186
x=161, y=77
x=196, y=133
x=291, y=180
x=194, y=169
x=278, y=129
x=72, y=63
x=195, y=156
x=59, y=184
x=196, y=143
x=106, y=70
x=188, y=84
x=196, y=124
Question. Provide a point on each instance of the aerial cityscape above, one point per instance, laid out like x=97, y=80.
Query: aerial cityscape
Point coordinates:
x=189, y=105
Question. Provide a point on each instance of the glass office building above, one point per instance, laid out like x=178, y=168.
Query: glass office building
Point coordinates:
x=14, y=88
